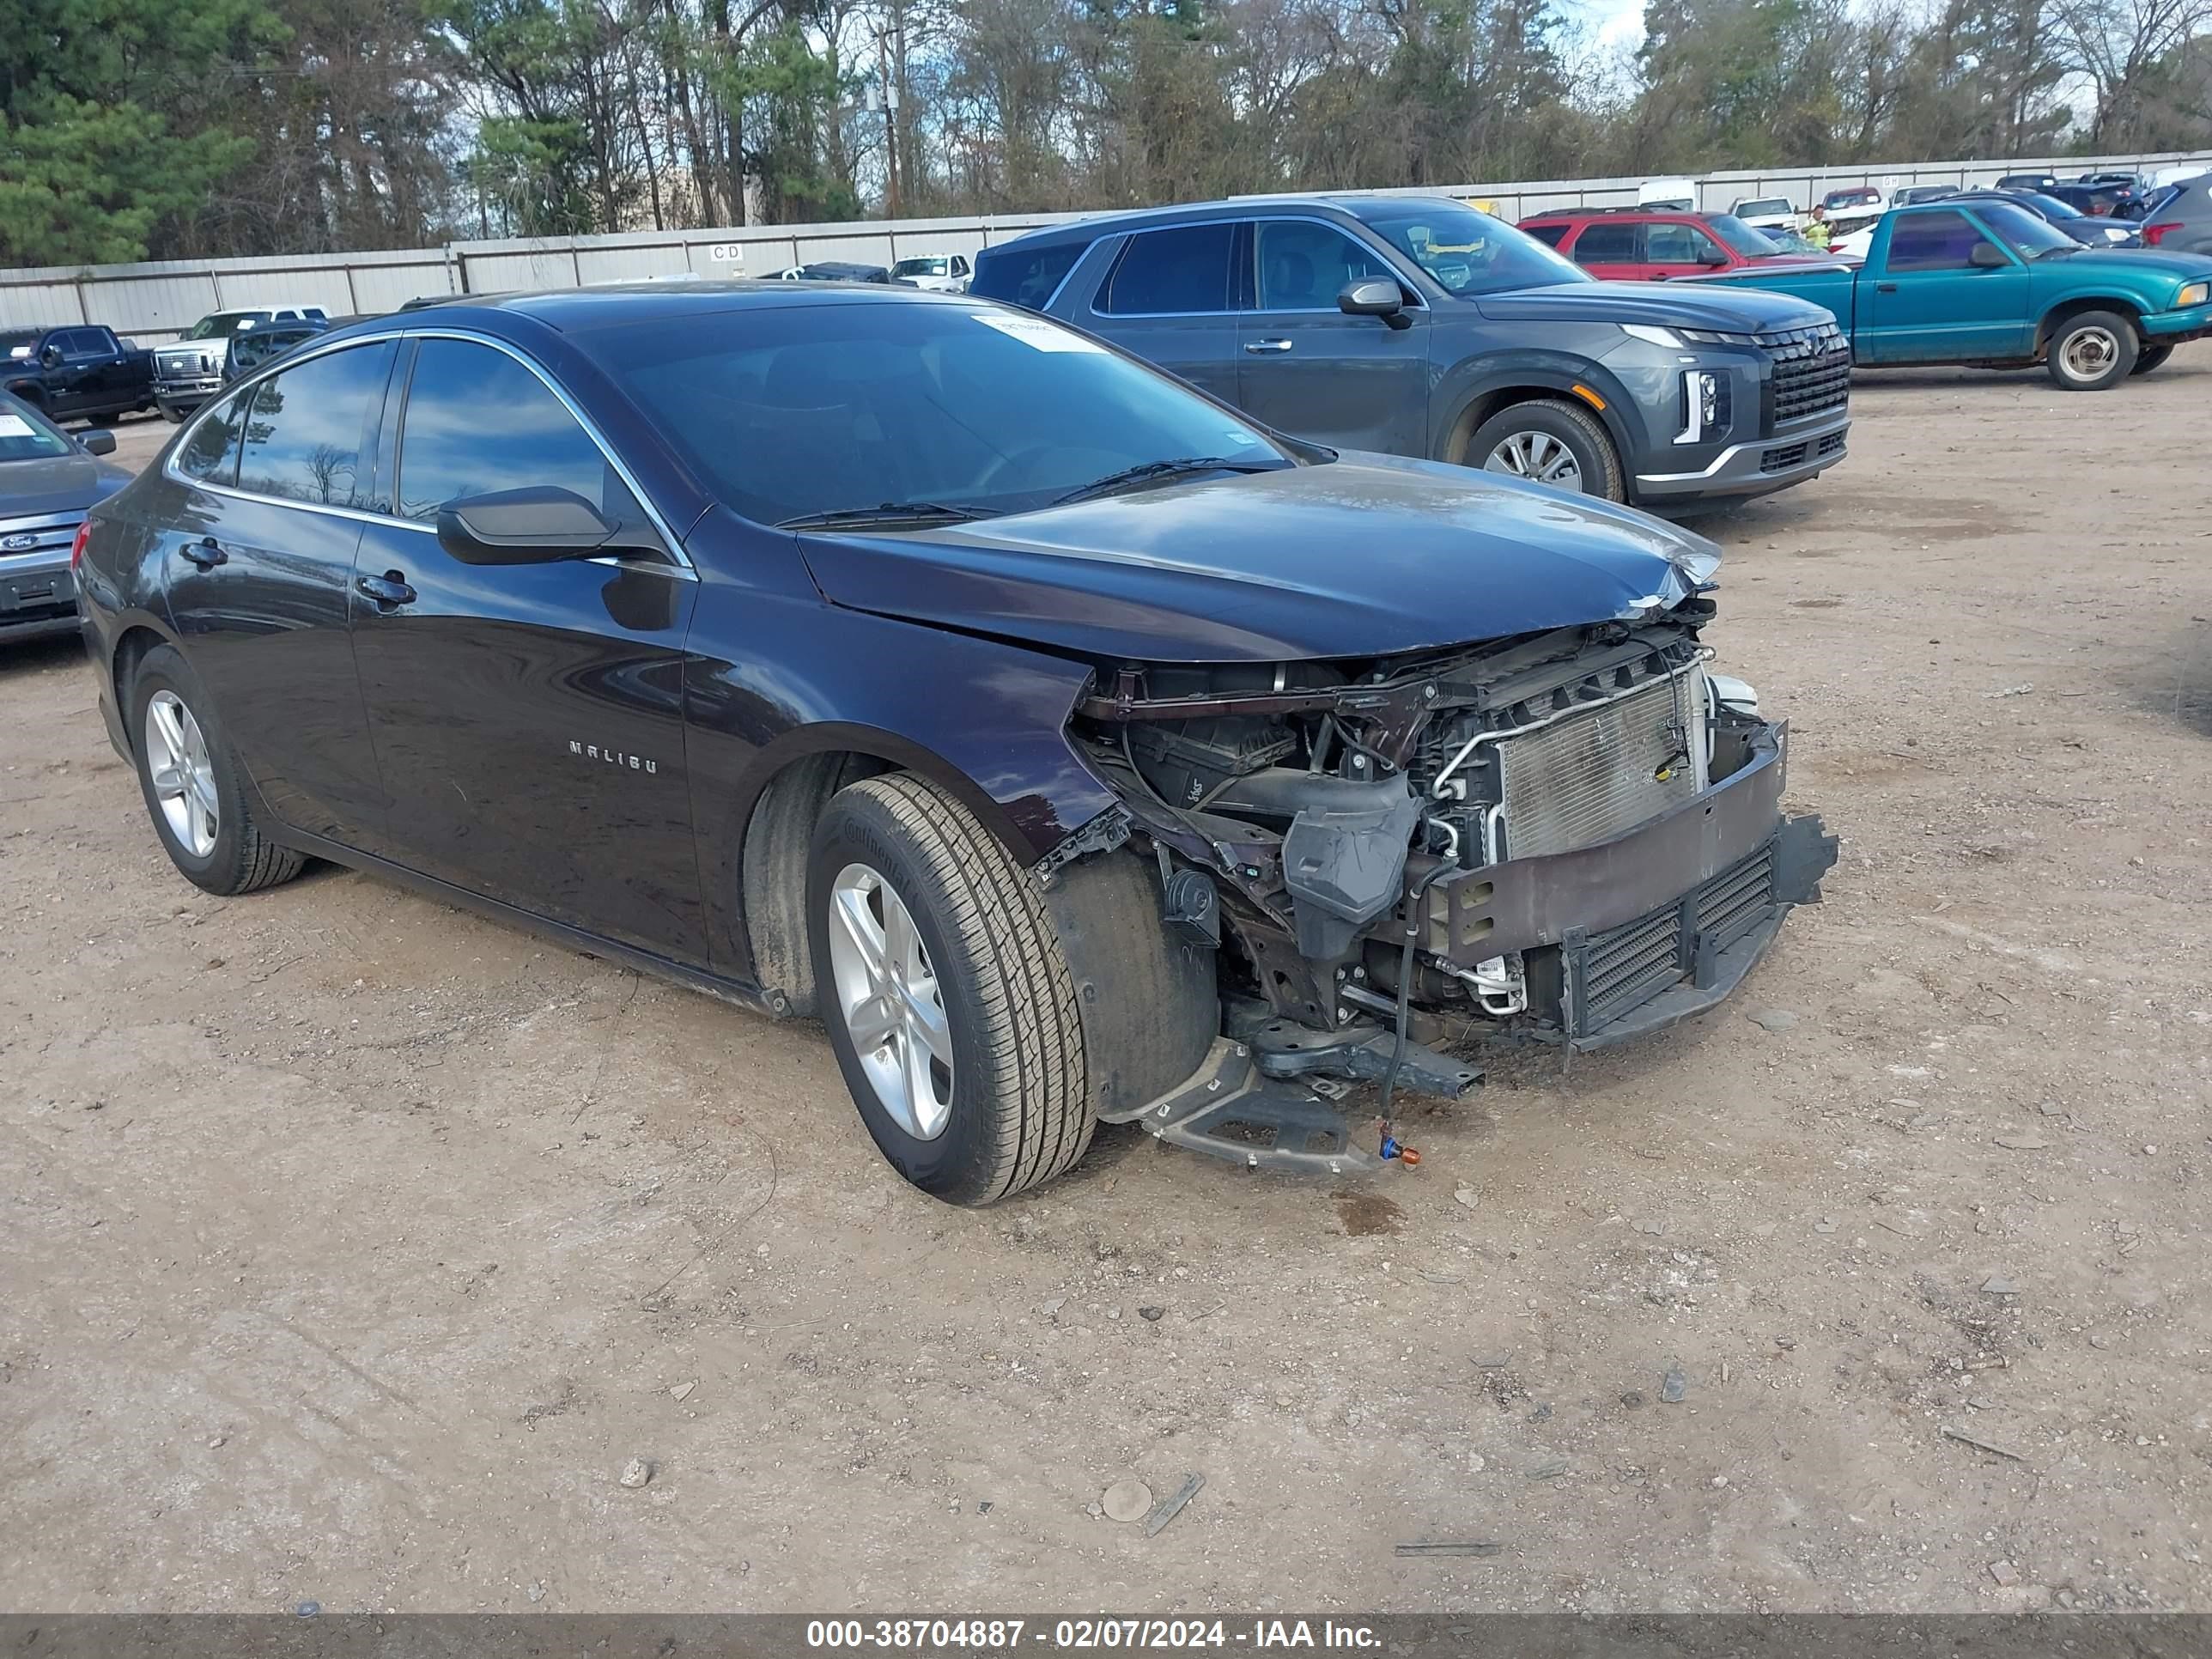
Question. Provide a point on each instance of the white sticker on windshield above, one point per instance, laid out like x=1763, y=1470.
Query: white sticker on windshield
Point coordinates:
x=1036, y=331
x=14, y=426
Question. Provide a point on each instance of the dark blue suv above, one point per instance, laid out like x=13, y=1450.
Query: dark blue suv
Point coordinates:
x=1416, y=325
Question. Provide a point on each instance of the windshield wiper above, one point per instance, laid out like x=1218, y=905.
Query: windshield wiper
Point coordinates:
x=1152, y=472
x=886, y=513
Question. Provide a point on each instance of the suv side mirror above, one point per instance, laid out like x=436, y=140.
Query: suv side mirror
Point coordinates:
x=97, y=441
x=50, y=355
x=535, y=526
x=1711, y=256
x=1987, y=257
x=1374, y=296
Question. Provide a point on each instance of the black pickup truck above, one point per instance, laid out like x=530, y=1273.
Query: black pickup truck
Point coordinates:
x=79, y=372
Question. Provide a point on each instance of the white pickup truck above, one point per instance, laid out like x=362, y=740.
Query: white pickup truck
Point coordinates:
x=189, y=373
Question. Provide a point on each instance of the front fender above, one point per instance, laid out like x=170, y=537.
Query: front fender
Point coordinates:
x=772, y=679
x=1473, y=380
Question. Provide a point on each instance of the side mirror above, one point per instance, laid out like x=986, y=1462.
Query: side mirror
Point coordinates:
x=535, y=526
x=1712, y=256
x=1987, y=257
x=1374, y=296
x=97, y=441
x=50, y=355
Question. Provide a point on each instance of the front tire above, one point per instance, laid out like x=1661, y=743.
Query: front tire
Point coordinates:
x=2092, y=350
x=2150, y=357
x=947, y=1000
x=1549, y=442
x=194, y=787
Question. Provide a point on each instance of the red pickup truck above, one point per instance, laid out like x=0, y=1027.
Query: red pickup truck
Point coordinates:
x=1651, y=245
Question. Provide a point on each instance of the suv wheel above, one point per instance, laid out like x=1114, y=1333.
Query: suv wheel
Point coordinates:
x=948, y=1002
x=2092, y=349
x=193, y=786
x=1549, y=442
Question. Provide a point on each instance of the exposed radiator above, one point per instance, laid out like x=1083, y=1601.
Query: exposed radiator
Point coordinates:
x=1593, y=775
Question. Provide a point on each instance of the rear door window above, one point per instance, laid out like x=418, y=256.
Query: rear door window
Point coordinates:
x=1609, y=245
x=1549, y=235
x=1181, y=271
x=307, y=428
x=1677, y=244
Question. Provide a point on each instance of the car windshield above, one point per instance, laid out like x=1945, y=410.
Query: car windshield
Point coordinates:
x=936, y=266
x=2028, y=234
x=2052, y=208
x=26, y=435
x=788, y=412
x=1466, y=251
x=1772, y=204
x=1752, y=244
x=221, y=325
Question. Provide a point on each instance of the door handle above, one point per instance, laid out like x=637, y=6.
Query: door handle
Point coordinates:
x=206, y=553
x=1260, y=348
x=1885, y=288
x=389, y=591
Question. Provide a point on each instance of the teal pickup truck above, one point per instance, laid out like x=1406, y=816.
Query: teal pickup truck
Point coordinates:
x=1991, y=283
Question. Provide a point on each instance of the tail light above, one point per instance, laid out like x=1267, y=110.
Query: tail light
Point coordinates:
x=76, y=547
x=2153, y=234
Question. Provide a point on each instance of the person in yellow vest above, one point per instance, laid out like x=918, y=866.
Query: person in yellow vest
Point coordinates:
x=1817, y=229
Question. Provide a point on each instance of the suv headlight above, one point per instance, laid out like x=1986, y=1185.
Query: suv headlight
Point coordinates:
x=2195, y=294
x=1665, y=339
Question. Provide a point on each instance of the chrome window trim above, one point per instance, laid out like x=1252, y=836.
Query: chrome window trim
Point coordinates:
x=291, y=360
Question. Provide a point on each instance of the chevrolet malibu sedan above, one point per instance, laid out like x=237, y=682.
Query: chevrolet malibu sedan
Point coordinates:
x=1072, y=747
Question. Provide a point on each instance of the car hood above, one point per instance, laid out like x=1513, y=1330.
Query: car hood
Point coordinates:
x=1730, y=311
x=59, y=483
x=2181, y=268
x=1368, y=556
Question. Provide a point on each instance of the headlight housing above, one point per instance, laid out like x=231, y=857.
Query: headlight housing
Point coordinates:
x=1716, y=337
x=1665, y=339
x=1699, y=567
x=2192, y=294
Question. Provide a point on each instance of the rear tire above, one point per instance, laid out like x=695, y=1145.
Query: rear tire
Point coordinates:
x=195, y=791
x=912, y=905
x=1550, y=441
x=2150, y=357
x=2092, y=350
x=173, y=416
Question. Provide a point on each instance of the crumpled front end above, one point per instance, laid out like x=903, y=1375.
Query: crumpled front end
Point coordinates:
x=1576, y=837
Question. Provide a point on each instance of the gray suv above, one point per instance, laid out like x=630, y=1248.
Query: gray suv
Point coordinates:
x=1416, y=325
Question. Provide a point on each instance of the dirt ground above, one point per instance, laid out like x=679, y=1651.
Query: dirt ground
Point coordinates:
x=355, y=1245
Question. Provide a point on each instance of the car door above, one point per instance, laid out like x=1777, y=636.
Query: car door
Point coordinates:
x=1676, y=248
x=1932, y=303
x=259, y=568
x=1612, y=253
x=1169, y=297
x=69, y=370
x=1307, y=368
x=528, y=719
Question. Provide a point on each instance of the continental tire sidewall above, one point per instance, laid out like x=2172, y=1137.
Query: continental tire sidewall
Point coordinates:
x=965, y=1162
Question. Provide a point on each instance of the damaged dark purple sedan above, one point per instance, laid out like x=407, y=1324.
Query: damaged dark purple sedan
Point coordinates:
x=1072, y=747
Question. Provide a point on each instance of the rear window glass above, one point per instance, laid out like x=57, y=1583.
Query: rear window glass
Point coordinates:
x=1025, y=276
x=1549, y=235
x=305, y=427
x=1602, y=245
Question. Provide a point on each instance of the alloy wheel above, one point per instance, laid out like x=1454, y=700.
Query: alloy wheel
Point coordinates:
x=888, y=996
x=1537, y=455
x=2089, y=353
x=183, y=773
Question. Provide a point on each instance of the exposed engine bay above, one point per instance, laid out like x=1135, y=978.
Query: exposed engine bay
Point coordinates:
x=1573, y=836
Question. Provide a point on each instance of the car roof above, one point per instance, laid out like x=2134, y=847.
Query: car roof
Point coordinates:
x=574, y=310
x=1092, y=226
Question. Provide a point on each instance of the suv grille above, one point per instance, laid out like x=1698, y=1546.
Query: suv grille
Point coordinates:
x=1811, y=370
x=1592, y=776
